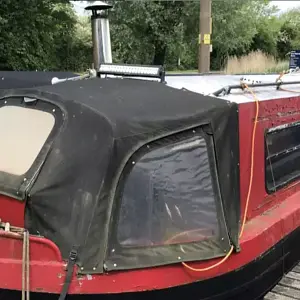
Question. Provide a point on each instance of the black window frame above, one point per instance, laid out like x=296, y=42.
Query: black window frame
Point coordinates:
x=16, y=186
x=120, y=257
x=274, y=130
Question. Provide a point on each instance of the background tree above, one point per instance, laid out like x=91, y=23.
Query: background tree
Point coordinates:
x=153, y=25
x=30, y=31
x=167, y=32
x=48, y=35
x=289, y=33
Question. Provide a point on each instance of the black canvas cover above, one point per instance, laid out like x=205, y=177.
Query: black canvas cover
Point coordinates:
x=71, y=198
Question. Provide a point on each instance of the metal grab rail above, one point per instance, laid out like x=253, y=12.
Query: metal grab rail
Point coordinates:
x=92, y=73
x=227, y=90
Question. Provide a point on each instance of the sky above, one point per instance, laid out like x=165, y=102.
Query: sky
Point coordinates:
x=282, y=5
x=79, y=7
x=285, y=5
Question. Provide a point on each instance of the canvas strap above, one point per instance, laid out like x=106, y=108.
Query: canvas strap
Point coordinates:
x=70, y=269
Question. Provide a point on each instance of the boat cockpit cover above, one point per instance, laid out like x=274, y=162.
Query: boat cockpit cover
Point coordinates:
x=74, y=196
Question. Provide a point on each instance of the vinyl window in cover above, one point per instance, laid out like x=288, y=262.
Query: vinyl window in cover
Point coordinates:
x=168, y=197
x=23, y=132
x=282, y=156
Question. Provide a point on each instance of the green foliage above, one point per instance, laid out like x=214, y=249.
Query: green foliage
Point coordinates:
x=236, y=24
x=78, y=54
x=41, y=35
x=47, y=35
x=147, y=28
x=289, y=34
x=29, y=29
x=268, y=26
x=156, y=32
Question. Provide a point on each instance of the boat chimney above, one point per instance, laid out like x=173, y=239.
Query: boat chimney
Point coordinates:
x=100, y=33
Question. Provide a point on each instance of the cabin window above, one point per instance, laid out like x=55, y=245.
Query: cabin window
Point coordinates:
x=282, y=156
x=24, y=132
x=168, y=197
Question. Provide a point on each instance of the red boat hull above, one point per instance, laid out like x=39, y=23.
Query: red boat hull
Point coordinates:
x=261, y=233
x=250, y=282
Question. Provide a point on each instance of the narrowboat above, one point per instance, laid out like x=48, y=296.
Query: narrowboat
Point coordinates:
x=131, y=188
x=126, y=183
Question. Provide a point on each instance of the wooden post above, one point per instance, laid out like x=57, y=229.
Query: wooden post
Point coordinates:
x=205, y=36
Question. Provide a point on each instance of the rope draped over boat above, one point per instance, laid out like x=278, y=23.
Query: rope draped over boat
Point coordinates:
x=24, y=234
x=243, y=86
x=25, y=267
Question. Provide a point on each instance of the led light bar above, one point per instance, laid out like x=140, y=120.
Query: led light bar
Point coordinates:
x=132, y=71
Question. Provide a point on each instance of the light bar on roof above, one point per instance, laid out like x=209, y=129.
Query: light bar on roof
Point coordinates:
x=132, y=71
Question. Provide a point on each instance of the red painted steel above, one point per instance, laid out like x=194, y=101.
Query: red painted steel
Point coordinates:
x=270, y=218
x=272, y=113
x=12, y=211
x=261, y=233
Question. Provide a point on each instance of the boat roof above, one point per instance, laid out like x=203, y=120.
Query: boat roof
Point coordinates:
x=208, y=84
x=128, y=102
x=205, y=84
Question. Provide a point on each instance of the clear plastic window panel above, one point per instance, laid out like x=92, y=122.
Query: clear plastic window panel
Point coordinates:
x=23, y=132
x=168, y=197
